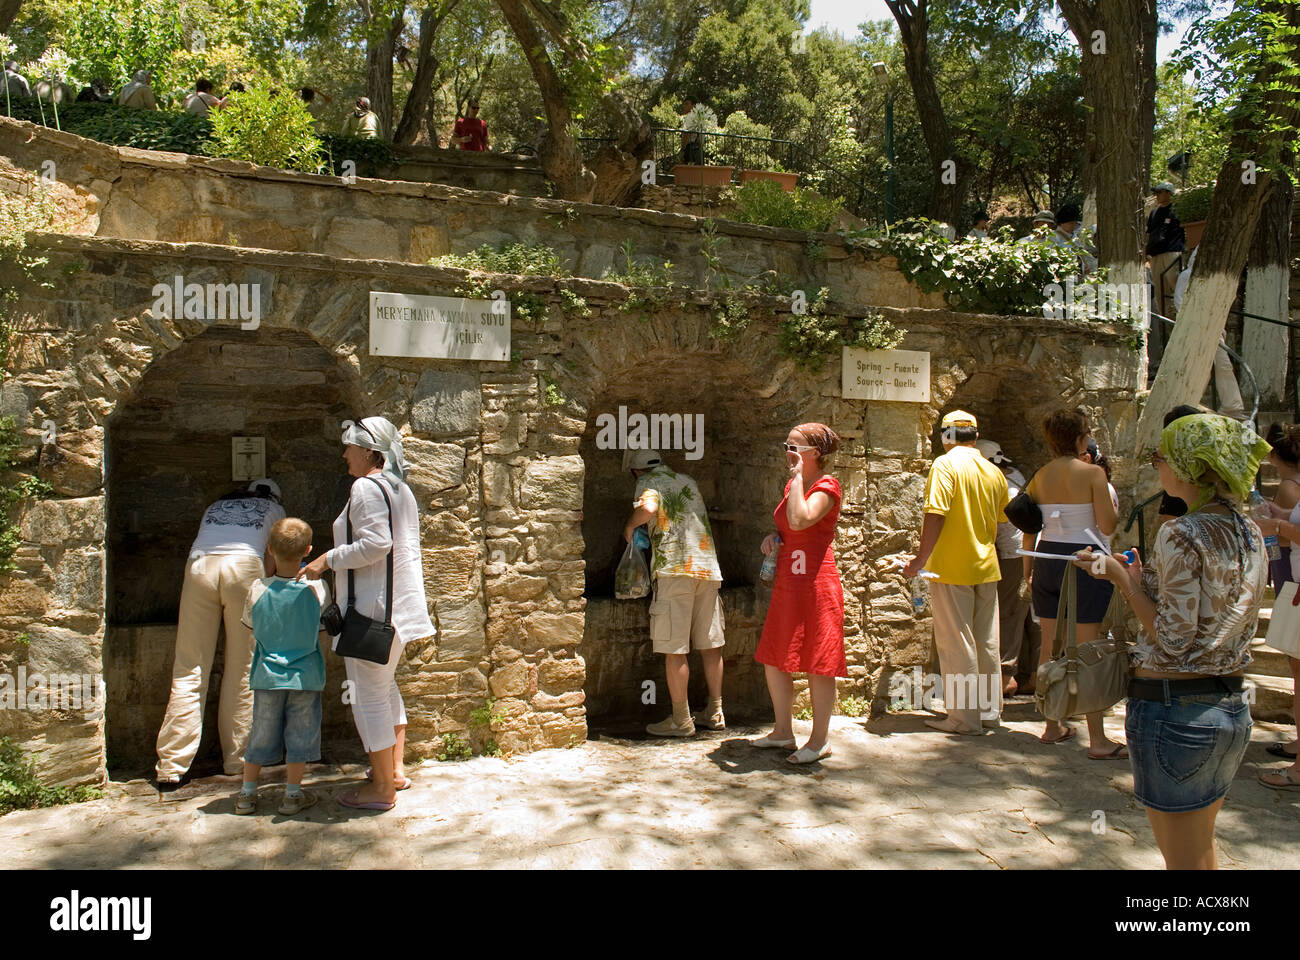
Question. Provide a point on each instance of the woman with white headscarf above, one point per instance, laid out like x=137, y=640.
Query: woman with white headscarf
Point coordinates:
x=373, y=452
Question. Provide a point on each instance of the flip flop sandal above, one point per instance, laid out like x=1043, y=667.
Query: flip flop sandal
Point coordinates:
x=1112, y=755
x=810, y=756
x=1285, y=774
x=1279, y=750
x=1068, y=735
x=767, y=743
x=406, y=784
x=355, y=804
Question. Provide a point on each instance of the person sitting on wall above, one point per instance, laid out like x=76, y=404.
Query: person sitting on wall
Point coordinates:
x=692, y=147
x=225, y=559
x=362, y=122
x=138, y=93
x=1041, y=229
x=686, y=607
x=1068, y=234
x=470, y=132
x=201, y=102
x=315, y=101
x=15, y=82
x=980, y=231
x=96, y=92
x=965, y=499
x=803, y=631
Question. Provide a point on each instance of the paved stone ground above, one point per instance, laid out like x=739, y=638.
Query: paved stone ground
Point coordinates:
x=895, y=794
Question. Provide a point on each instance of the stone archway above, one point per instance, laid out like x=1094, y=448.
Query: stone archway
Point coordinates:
x=748, y=397
x=168, y=450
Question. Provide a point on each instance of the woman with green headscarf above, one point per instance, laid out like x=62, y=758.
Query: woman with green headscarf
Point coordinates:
x=1198, y=603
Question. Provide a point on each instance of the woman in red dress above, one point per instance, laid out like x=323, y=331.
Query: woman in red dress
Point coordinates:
x=804, y=629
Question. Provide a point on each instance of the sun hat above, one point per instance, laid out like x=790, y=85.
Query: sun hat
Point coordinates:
x=641, y=459
x=958, y=418
x=992, y=451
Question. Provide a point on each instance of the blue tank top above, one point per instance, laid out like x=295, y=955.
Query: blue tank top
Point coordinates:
x=287, y=655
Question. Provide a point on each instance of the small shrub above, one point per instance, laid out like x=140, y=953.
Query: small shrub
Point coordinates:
x=491, y=749
x=853, y=706
x=275, y=131
x=805, y=713
x=454, y=748
x=638, y=274
x=484, y=717
x=20, y=790
x=765, y=202
x=521, y=259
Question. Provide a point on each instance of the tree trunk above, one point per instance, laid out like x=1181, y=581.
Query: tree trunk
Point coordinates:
x=1264, y=346
x=1150, y=20
x=1110, y=35
x=618, y=167
x=8, y=12
x=426, y=70
x=1234, y=216
x=560, y=156
x=380, y=46
x=950, y=174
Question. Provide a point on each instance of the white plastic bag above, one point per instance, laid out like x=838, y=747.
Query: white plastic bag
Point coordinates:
x=632, y=579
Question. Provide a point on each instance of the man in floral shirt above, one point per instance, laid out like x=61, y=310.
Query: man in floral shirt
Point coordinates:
x=686, y=607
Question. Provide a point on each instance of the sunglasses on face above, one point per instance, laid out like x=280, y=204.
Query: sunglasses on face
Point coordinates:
x=796, y=447
x=1156, y=458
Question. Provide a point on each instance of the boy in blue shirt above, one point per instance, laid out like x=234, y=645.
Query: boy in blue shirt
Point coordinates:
x=288, y=672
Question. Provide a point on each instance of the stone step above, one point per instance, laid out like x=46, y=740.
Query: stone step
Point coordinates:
x=1273, y=700
x=1266, y=660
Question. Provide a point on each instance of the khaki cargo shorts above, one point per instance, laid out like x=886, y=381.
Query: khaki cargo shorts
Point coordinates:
x=686, y=612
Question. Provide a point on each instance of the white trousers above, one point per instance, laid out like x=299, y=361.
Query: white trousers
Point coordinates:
x=376, y=701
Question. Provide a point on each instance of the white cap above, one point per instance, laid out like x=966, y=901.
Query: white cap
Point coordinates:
x=992, y=451
x=641, y=459
x=266, y=482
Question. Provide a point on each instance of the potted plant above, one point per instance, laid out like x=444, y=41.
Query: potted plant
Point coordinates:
x=701, y=121
x=786, y=180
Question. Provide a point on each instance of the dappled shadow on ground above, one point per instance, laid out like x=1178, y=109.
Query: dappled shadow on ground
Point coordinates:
x=894, y=794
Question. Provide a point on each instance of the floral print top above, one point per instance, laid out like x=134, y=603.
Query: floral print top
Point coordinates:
x=1208, y=581
x=681, y=541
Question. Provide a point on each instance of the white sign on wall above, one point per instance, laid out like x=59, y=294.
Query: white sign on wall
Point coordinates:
x=897, y=375
x=247, y=458
x=407, y=325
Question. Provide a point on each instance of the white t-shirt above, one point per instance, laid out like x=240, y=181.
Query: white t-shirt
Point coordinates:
x=237, y=526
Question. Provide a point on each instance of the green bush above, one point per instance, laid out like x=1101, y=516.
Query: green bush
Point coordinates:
x=124, y=126
x=274, y=131
x=1194, y=204
x=370, y=156
x=20, y=790
x=765, y=202
x=522, y=259
x=996, y=275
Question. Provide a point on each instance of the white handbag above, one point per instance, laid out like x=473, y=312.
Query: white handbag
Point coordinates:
x=1284, y=627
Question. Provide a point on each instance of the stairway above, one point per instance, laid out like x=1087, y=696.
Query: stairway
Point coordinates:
x=1270, y=674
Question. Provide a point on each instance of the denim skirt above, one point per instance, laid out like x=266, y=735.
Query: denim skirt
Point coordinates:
x=1186, y=750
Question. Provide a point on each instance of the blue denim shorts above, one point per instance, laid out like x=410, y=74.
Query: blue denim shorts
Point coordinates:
x=286, y=723
x=1186, y=751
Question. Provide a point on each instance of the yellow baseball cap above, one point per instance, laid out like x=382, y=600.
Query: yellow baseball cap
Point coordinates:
x=958, y=418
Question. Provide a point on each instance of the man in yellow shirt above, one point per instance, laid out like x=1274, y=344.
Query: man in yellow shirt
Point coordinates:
x=965, y=496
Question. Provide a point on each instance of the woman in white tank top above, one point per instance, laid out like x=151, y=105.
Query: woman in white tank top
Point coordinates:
x=1077, y=513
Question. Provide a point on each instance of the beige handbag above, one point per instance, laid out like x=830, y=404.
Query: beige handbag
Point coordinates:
x=1084, y=679
x=1284, y=626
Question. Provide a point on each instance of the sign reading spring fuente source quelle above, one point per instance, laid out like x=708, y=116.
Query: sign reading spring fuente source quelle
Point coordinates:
x=407, y=325
x=898, y=375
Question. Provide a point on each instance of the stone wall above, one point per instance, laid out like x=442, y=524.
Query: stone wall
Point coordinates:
x=468, y=169
x=141, y=194
x=503, y=467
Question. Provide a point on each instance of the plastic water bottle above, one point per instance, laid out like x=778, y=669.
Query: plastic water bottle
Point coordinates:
x=1259, y=510
x=767, y=572
x=640, y=540
x=920, y=594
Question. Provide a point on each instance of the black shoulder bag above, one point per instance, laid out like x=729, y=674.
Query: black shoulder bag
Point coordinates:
x=361, y=637
x=1024, y=513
